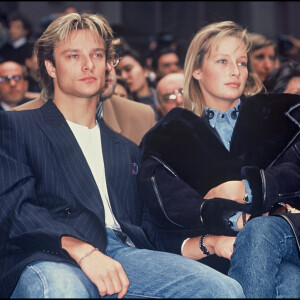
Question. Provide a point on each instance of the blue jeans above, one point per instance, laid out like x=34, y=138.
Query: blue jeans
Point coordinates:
x=152, y=274
x=266, y=259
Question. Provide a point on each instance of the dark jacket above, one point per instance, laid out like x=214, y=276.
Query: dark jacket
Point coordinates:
x=183, y=158
x=47, y=190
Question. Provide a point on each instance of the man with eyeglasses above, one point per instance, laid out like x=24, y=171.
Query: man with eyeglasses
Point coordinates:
x=170, y=92
x=13, y=85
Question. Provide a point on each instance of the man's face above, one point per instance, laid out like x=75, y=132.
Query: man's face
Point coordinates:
x=169, y=90
x=80, y=66
x=16, y=30
x=12, y=84
x=167, y=63
x=110, y=84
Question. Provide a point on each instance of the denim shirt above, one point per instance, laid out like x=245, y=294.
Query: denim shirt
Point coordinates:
x=224, y=123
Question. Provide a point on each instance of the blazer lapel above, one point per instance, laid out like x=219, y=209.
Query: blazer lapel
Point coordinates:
x=71, y=159
x=117, y=160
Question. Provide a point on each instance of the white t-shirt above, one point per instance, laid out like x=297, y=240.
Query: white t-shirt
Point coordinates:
x=89, y=141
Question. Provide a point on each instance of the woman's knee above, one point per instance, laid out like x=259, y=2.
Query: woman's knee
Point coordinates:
x=261, y=227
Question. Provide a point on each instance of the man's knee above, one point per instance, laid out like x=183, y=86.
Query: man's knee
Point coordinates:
x=45, y=279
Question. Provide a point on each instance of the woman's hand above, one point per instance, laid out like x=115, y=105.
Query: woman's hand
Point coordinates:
x=223, y=245
x=232, y=190
x=219, y=245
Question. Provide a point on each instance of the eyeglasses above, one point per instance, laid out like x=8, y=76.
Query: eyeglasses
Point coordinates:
x=114, y=60
x=173, y=95
x=8, y=78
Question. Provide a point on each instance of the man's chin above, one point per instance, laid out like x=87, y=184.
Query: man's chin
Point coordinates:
x=107, y=93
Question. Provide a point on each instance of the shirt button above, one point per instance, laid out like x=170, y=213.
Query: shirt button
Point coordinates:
x=211, y=114
x=67, y=211
x=234, y=115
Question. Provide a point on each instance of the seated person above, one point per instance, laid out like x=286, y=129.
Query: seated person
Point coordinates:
x=122, y=89
x=71, y=211
x=208, y=167
x=263, y=55
x=170, y=92
x=285, y=79
x=165, y=61
x=131, y=69
x=13, y=85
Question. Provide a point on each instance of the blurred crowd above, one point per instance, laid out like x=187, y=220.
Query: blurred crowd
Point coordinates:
x=154, y=77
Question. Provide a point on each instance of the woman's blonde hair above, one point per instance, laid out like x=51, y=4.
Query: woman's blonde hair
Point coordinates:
x=59, y=30
x=203, y=42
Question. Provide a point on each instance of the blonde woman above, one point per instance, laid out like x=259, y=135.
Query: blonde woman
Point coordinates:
x=226, y=145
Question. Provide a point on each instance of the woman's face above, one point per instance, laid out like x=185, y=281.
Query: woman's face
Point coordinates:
x=223, y=74
x=263, y=61
x=293, y=86
x=120, y=91
x=133, y=73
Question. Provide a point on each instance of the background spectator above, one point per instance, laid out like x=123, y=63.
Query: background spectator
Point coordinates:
x=131, y=69
x=4, y=34
x=263, y=55
x=13, y=85
x=165, y=61
x=18, y=46
x=33, y=77
x=285, y=79
x=122, y=88
x=288, y=48
x=170, y=92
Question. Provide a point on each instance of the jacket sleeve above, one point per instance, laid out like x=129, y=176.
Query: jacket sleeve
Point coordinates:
x=278, y=183
x=172, y=203
x=25, y=224
x=175, y=205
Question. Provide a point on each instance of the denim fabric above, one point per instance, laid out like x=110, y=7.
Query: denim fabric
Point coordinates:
x=152, y=274
x=266, y=259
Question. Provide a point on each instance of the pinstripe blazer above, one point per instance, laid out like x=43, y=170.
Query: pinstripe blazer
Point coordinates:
x=129, y=118
x=47, y=190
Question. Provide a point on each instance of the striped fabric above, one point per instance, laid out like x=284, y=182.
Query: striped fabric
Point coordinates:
x=47, y=190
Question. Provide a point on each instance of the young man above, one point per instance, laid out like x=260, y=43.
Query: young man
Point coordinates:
x=72, y=220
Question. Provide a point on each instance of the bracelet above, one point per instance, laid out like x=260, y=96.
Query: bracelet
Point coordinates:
x=87, y=254
x=246, y=199
x=202, y=246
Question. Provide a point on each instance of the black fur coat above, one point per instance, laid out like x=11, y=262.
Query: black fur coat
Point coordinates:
x=183, y=158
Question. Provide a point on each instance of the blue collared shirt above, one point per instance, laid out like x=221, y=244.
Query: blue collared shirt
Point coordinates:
x=224, y=123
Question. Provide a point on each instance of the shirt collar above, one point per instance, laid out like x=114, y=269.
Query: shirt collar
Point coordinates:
x=231, y=114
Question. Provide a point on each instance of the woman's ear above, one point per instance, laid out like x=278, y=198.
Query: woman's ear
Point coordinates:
x=197, y=74
x=50, y=68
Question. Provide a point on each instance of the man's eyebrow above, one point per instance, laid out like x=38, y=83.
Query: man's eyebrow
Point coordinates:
x=78, y=50
x=70, y=50
x=99, y=49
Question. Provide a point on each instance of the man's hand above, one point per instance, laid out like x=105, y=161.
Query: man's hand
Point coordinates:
x=232, y=190
x=106, y=273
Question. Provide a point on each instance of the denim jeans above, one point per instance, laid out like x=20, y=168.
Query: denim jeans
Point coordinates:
x=266, y=259
x=152, y=274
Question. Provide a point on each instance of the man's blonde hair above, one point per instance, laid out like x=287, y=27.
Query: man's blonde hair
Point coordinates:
x=58, y=31
x=204, y=41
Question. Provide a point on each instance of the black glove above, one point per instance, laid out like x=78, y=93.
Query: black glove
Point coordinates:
x=215, y=214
